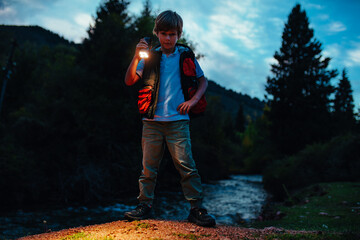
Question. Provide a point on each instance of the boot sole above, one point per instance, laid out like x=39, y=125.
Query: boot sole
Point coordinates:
x=201, y=223
x=134, y=218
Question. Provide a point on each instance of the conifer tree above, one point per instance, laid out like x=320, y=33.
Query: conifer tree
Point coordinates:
x=144, y=24
x=106, y=50
x=344, y=103
x=298, y=92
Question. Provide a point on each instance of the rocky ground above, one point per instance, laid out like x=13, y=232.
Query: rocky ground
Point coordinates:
x=159, y=229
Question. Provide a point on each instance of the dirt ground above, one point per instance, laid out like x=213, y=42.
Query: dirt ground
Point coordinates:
x=156, y=229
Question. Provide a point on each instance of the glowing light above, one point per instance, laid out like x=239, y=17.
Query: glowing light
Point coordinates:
x=143, y=54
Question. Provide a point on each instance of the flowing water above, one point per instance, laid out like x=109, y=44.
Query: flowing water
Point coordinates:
x=230, y=201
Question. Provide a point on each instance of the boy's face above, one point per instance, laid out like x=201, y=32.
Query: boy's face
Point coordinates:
x=168, y=40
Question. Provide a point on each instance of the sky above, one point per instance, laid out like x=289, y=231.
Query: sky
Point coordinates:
x=237, y=37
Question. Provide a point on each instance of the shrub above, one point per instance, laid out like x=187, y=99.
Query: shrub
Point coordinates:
x=336, y=160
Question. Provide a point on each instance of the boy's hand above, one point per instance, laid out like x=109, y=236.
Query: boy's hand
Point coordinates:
x=185, y=107
x=141, y=45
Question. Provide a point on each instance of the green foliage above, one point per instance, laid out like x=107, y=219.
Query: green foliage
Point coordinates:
x=142, y=225
x=80, y=235
x=325, y=207
x=257, y=149
x=231, y=101
x=213, y=150
x=190, y=236
x=331, y=161
x=306, y=236
x=144, y=24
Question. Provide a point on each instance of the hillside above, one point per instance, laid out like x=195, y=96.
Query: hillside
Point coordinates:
x=33, y=34
x=231, y=101
x=24, y=35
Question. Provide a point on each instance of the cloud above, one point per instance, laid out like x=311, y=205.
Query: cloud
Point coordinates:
x=353, y=56
x=336, y=27
x=65, y=28
x=270, y=61
x=83, y=19
x=239, y=22
x=313, y=6
x=332, y=51
x=6, y=11
x=23, y=12
x=323, y=16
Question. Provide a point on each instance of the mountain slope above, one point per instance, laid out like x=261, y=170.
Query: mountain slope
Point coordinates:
x=33, y=34
x=231, y=101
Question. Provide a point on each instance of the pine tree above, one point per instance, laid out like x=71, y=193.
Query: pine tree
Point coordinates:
x=299, y=90
x=144, y=24
x=108, y=47
x=344, y=103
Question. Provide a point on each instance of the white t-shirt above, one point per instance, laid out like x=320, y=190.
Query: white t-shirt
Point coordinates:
x=170, y=91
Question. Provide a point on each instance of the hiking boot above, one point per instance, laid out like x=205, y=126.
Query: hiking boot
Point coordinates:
x=200, y=217
x=142, y=211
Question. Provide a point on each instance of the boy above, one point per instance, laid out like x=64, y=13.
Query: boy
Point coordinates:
x=165, y=104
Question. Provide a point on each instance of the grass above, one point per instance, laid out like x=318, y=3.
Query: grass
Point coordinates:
x=308, y=236
x=83, y=236
x=190, y=236
x=326, y=207
x=142, y=225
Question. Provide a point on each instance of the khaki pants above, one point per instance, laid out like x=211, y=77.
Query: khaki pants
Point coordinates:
x=176, y=135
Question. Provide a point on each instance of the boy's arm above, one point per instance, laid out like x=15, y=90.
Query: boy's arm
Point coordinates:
x=131, y=77
x=185, y=107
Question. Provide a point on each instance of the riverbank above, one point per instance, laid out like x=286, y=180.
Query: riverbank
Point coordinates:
x=320, y=207
x=160, y=229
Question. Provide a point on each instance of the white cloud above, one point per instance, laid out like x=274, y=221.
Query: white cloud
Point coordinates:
x=353, y=56
x=239, y=23
x=65, y=28
x=313, y=6
x=7, y=11
x=323, y=16
x=269, y=61
x=336, y=27
x=83, y=19
x=332, y=51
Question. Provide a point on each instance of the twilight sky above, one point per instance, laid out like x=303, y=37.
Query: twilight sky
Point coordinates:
x=238, y=37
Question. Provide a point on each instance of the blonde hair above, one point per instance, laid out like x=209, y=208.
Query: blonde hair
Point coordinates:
x=168, y=20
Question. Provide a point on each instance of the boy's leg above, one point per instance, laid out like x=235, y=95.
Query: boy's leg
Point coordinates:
x=153, y=150
x=179, y=145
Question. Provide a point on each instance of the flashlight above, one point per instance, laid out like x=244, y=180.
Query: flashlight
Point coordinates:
x=144, y=53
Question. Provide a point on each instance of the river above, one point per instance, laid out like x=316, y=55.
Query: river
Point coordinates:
x=231, y=201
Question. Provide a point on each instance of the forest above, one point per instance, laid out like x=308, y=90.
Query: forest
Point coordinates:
x=70, y=131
